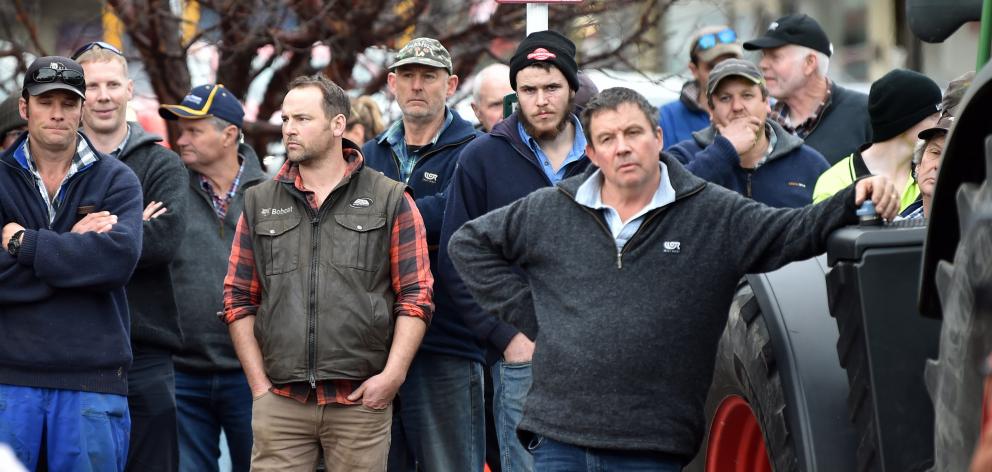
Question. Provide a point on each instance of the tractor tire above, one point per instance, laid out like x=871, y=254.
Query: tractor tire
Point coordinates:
x=955, y=380
x=748, y=430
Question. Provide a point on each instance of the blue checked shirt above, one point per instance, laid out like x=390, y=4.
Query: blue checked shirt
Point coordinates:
x=578, y=150
x=83, y=158
x=397, y=142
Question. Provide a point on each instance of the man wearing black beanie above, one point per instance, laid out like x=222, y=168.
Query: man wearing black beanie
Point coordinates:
x=538, y=145
x=900, y=104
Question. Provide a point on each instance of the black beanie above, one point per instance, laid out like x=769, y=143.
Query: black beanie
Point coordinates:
x=898, y=101
x=546, y=46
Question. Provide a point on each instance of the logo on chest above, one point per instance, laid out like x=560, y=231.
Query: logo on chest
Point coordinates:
x=276, y=211
x=430, y=177
x=363, y=202
x=672, y=247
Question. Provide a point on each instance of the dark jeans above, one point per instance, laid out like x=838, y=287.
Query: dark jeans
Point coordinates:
x=151, y=398
x=440, y=425
x=207, y=404
x=554, y=456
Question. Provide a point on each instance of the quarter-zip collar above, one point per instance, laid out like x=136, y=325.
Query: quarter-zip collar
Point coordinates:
x=590, y=195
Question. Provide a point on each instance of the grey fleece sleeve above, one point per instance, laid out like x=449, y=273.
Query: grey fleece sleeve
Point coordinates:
x=484, y=252
x=166, y=182
x=770, y=238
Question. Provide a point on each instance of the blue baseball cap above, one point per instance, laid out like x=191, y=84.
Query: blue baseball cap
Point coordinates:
x=206, y=101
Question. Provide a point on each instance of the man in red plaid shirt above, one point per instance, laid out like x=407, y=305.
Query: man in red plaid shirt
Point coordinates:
x=328, y=294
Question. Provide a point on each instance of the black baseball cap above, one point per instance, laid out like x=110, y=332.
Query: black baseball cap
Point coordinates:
x=801, y=30
x=54, y=73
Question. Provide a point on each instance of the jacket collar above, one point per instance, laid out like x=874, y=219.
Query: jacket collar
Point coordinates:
x=682, y=181
x=455, y=131
x=786, y=141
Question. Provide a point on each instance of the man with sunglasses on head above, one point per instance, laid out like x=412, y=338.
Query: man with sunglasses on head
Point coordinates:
x=155, y=332
x=795, y=56
x=72, y=232
x=710, y=46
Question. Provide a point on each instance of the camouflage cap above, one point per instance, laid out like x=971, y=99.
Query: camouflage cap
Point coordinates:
x=424, y=51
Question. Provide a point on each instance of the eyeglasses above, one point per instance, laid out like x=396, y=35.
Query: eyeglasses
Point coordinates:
x=101, y=44
x=69, y=77
x=710, y=40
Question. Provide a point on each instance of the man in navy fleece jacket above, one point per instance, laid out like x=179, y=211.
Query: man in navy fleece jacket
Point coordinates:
x=744, y=150
x=72, y=233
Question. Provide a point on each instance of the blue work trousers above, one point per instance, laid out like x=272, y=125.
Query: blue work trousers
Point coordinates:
x=79, y=431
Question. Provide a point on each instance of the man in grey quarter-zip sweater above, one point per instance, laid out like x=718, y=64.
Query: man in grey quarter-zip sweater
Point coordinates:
x=613, y=265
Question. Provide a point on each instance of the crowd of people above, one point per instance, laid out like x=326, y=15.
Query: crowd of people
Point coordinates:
x=426, y=294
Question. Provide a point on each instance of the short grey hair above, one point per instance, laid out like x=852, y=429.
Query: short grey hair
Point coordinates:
x=497, y=71
x=822, y=60
x=221, y=124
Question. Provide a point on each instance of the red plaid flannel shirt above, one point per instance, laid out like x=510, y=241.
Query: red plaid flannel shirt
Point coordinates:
x=409, y=270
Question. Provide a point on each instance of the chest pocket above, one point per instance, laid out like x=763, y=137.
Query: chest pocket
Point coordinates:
x=280, y=251
x=361, y=242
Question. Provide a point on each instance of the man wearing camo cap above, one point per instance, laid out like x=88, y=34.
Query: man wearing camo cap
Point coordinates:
x=439, y=425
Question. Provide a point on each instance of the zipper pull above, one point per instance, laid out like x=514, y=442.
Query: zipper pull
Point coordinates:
x=313, y=382
x=619, y=259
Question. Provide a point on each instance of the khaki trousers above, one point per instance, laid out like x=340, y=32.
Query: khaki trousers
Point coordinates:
x=288, y=435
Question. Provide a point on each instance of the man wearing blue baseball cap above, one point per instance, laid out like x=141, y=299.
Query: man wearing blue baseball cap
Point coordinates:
x=212, y=393
x=71, y=219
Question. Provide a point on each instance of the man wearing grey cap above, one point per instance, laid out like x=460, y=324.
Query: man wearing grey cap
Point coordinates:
x=71, y=221
x=744, y=150
x=708, y=47
x=795, y=58
x=439, y=424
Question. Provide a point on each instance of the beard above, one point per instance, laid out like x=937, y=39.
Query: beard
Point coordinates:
x=546, y=135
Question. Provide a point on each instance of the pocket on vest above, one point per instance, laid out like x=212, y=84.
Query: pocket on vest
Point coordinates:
x=363, y=245
x=280, y=251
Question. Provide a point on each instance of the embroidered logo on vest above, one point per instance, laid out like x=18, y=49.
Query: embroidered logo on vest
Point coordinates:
x=276, y=211
x=363, y=202
x=672, y=247
x=430, y=177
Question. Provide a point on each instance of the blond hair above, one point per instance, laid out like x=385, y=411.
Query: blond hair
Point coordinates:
x=99, y=54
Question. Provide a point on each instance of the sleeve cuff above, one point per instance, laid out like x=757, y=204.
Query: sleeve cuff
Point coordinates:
x=29, y=243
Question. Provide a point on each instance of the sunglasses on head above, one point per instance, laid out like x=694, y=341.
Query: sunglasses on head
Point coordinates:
x=69, y=77
x=710, y=40
x=101, y=44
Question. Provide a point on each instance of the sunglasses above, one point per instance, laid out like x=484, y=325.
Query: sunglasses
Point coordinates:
x=100, y=44
x=710, y=40
x=69, y=77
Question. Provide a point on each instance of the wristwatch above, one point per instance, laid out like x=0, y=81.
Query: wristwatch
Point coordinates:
x=15, y=243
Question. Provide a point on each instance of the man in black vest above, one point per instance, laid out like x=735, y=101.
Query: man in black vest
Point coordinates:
x=328, y=294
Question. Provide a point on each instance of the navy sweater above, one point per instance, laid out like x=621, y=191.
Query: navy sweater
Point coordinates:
x=494, y=170
x=786, y=179
x=63, y=312
x=429, y=180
